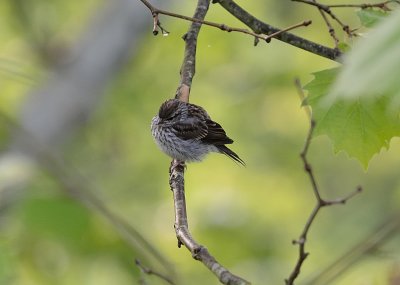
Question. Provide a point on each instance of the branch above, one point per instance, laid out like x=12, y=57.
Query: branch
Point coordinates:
x=157, y=25
x=184, y=236
x=381, y=5
x=324, y=8
x=177, y=168
x=149, y=271
x=327, y=10
x=300, y=92
x=260, y=27
x=301, y=241
x=274, y=35
x=188, y=68
x=330, y=28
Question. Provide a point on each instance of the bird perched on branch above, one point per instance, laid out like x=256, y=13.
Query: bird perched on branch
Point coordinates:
x=186, y=132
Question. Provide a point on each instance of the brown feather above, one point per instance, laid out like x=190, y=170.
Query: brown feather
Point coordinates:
x=187, y=131
x=194, y=125
x=216, y=134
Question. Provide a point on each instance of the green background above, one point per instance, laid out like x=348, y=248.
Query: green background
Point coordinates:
x=246, y=216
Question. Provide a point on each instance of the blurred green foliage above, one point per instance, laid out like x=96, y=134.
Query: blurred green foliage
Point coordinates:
x=246, y=217
x=370, y=17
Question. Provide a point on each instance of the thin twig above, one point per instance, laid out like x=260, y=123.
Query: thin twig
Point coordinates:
x=323, y=7
x=259, y=27
x=300, y=92
x=149, y=271
x=381, y=5
x=260, y=30
x=301, y=241
x=177, y=168
x=188, y=68
x=155, y=11
x=273, y=35
x=330, y=28
x=327, y=10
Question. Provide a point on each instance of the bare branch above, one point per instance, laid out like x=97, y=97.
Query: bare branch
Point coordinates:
x=273, y=35
x=300, y=92
x=320, y=6
x=149, y=271
x=260, y=27
x=177, y=168
x=188, y=67
x=260, y=30
x=198, y=251
x=326, y=8
x=381, y=5
x=155, y=11
x=301, y=241
x=330, y=28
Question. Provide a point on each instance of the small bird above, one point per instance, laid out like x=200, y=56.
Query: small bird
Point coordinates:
x=185, y=132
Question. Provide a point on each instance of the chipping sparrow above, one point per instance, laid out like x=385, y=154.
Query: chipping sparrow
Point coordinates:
x=186, y=132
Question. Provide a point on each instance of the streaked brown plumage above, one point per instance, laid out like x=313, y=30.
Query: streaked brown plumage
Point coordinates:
x=186, y=132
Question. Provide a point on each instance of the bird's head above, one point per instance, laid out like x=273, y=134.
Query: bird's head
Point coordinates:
x=168, y=111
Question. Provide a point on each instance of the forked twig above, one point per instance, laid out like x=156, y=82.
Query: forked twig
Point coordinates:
x=381, y=5
x=157, y=25
x=301, y=241
x=327, y=9
x=259, y=27
x=273, y=35
x=330, y=28
x=150, y=271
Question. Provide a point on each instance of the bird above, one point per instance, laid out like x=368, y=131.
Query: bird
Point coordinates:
x=185, y=132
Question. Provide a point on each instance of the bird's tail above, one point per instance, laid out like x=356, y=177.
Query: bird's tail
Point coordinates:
x=225, y=150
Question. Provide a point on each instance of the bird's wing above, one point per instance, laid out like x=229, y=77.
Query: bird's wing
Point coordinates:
x=198, y=125
x=193, y=127
x=216, y=134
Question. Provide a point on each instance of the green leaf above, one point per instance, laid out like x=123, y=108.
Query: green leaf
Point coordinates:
x=372, y=67
x=370, y=17
x=360, y=111
x=359, y=127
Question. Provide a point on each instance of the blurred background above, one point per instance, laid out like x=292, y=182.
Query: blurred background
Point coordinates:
x=81, y=80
